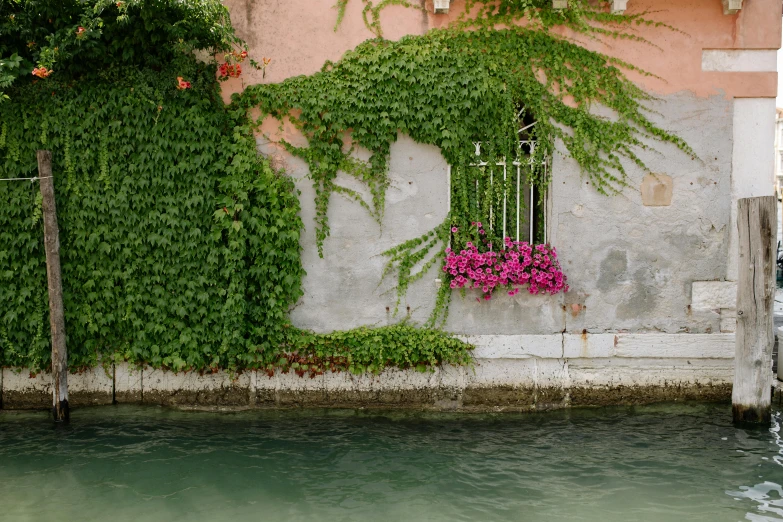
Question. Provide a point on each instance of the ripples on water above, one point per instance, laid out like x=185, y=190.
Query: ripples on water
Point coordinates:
x=143, y=464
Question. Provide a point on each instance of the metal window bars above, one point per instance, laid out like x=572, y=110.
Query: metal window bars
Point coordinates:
x=528, y=147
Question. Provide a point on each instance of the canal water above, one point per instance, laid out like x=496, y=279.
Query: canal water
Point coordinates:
x=123, y=463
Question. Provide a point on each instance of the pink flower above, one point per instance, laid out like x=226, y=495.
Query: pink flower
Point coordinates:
x=454, y=229
x=517, y=264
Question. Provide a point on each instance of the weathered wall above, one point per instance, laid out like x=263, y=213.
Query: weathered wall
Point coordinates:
x=630, y=266
x=650, y=312
x=507, y=381
x=343, y=290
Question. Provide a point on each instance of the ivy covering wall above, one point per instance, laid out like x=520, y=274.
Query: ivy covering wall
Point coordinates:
x=179, y=244
x=501, y=65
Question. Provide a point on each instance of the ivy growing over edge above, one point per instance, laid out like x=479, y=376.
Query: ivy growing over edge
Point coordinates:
x=180, y=245
x=466, y=83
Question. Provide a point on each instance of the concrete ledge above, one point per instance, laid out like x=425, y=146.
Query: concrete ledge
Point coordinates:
x=217, y=389
x=91, y=387
x=510, y=372
x=127, y=384
x=23, y=390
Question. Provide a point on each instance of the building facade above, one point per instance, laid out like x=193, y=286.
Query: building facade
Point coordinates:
x=650, y=313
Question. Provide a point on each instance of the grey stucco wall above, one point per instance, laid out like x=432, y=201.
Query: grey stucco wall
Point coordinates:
x=630, y=267
x=344, y=289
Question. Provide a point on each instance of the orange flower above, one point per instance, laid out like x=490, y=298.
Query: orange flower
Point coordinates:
x=263, y=67
x=42, y=72
x=226, y=70
x=80, y=31
x=182, y=84
x=243, y=54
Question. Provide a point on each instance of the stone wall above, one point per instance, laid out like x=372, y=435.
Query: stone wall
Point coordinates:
x=630, y=263
x=508, y=379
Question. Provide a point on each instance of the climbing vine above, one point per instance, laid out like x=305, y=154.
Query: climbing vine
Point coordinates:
x=179, y=244
x=500, y=66
x=371, y=13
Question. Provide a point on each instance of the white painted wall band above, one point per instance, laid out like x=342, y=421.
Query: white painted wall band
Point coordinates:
x=752, y=165
x=745, y=60
x=603, y=345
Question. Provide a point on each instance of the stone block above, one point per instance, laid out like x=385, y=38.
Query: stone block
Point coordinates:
x=690, y=346
x=728, y=320
x=190, y=388
x=502, y=372
x=23, y=390
x=588, y=345
x=648, y=373
x=501, y=383
x=91, y=387
x=516, y=346
x=293, y=390
x=127, y=383
x=263, y=388
x=712, y=295
x=451, y=384
x=396, y=387
x=552, y=383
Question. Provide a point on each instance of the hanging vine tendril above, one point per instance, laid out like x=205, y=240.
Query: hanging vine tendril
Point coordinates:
x=456, y=86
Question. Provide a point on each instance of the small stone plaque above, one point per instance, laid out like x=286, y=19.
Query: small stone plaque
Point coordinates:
x=657, y=190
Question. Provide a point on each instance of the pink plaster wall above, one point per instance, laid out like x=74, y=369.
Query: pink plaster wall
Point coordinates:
x=298, y=35
x=703, y=26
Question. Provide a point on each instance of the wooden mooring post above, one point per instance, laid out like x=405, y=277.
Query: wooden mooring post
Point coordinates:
x=60, y=408
x=757, y=227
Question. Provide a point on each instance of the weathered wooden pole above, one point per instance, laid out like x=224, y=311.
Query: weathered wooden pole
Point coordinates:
x=60, y=408
x=757, y=224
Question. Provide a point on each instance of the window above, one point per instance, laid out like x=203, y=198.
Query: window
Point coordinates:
x=500, y=194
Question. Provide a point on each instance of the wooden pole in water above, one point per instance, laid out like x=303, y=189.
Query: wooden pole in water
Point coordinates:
x=751, y=395
x=60, y=408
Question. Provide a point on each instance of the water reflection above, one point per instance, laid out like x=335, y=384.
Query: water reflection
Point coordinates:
x=656, y=463
x=767, y=495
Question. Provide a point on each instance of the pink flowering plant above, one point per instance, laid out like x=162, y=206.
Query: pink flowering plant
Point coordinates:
x=518, y=264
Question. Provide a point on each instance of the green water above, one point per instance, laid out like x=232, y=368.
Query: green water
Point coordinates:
x=122, y=464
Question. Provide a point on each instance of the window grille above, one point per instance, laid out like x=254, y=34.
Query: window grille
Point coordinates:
x=520, y=210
